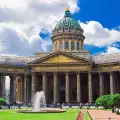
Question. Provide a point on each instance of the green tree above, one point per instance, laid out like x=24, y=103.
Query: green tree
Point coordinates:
x=114, y=101
x=103, y=101
x=2, y=102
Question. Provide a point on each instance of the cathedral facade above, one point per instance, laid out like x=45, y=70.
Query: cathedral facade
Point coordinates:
x=68, y=74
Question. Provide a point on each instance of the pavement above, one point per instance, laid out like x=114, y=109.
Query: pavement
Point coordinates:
x=103, y=115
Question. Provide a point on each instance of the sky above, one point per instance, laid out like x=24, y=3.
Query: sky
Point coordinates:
x=26, y=25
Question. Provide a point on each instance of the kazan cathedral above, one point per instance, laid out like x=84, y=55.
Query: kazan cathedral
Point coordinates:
x=68, y=74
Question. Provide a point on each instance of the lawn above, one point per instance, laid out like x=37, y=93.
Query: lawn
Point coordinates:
x=87, y=116
x=12, y=115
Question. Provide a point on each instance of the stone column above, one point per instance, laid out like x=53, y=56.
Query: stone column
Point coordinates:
x=14, y=88
x=25, y=88
x=44, y=84
x=69, y=44
x=33, y=86
x=80, y=45
x=75, y=45
x=101, y=83
x=67, y=88
x=111, y=83
x=78, y=88
x=55, y=85
x=90, y=97
x=11, y=90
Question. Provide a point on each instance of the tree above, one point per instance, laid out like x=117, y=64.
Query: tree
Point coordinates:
x=103, y=101
x=114, y=101
x=2, y=102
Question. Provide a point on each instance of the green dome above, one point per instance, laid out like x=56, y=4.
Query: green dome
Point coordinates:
x=67, y=23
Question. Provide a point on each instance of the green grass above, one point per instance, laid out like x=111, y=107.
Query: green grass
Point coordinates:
x=87, y=116
x=12, y=115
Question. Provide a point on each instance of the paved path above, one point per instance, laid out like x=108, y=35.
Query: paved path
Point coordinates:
x=103, y=115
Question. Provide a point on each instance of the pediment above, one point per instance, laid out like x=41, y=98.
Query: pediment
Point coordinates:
x=60, y=57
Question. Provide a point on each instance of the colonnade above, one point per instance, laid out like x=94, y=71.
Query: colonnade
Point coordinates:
x=26, y=91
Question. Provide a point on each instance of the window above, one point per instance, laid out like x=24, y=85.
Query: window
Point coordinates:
x=66, y=45
x=60, y=45
x=66, y=28
x=77, y=45
x=72, y=45
x=55, y=46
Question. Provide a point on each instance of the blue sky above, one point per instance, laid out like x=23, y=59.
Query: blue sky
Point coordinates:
x=28, y=26
x=104, y=11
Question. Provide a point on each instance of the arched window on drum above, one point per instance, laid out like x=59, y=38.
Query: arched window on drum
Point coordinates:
x=72, y=46
x=66, y=45
x=77, y=45
x=61, y=45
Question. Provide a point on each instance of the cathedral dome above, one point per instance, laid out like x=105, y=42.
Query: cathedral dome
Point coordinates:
x=67, y=23
x=67, y=34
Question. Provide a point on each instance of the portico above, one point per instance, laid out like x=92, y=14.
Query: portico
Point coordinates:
x=60, y=80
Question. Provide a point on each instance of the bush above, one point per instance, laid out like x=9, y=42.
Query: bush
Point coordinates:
x=109, y=101
x=2, y=101
x=103, y=101
x=115, y=101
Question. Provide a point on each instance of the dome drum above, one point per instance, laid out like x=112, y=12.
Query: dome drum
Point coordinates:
x=67, y=45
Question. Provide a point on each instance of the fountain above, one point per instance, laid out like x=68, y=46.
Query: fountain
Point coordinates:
x=39, y=101
x=39, y=105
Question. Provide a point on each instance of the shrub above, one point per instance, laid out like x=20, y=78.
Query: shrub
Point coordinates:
x=103, y=101
x=2, y=101
x=114, y=101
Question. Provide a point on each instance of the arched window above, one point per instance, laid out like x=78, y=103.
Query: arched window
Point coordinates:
x=77, y=45
x=61, y=45
x=66, y=45
x=56, y=46
x=72, y=45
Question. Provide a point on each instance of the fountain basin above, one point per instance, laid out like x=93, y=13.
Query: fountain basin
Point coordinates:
x=42, y=111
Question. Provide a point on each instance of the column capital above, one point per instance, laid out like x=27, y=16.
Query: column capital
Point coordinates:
x=25, y=74
x=111, y=72
x=78, y=72
x=33, y=73
x=43, y=73
x=67, y=73
x=100, y=72
x=55, y=73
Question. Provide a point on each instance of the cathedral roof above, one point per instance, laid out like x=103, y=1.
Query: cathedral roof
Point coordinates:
x=67, y=23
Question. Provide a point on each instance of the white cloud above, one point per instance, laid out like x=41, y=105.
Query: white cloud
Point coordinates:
x=111, y=50
x=97, y=35
x=22, y=20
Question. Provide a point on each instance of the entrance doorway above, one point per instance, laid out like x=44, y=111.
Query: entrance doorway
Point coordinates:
x=62, y=96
